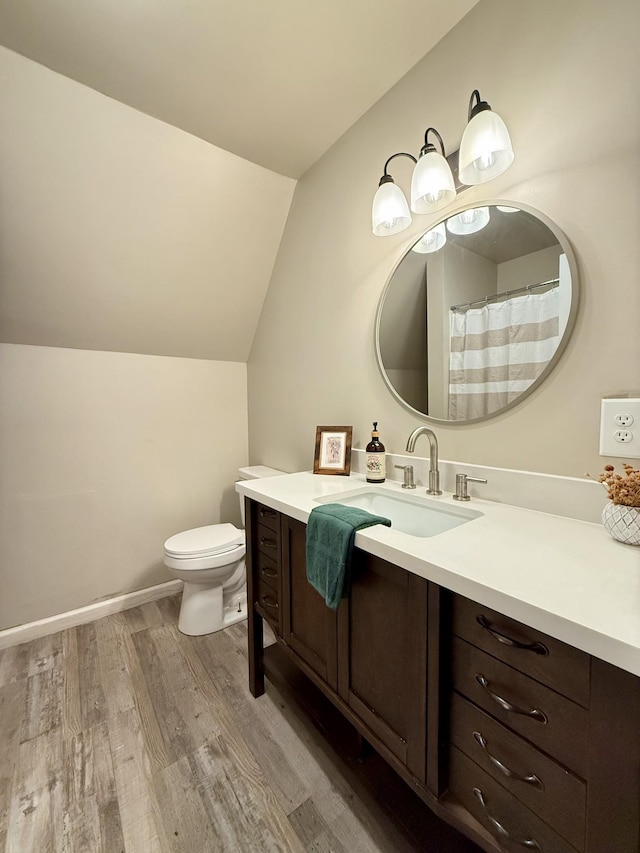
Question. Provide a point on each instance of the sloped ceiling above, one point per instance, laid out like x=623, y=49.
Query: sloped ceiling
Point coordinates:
x=149, y=155
x=122, y=233
x=276, y=82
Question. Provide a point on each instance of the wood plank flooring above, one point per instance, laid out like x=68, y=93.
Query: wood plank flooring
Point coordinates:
x=125, y=736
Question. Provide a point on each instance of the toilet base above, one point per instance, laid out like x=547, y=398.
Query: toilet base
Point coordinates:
x=235, y=610
x=205, y=610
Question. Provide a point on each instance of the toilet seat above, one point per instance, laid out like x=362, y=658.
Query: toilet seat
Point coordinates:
x=193, y=565
x=203, y=542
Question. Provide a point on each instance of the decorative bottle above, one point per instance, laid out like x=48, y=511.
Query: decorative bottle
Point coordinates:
x=376, y=466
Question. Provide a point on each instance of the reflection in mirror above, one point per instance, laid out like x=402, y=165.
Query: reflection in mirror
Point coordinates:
x=476, y=313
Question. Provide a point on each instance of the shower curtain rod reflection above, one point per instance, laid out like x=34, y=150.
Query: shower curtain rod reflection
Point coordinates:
x=552, y=282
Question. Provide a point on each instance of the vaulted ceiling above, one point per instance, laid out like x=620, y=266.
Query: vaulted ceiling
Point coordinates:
x=275, y=82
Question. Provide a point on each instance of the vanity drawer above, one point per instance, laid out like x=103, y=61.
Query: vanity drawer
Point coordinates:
x=267, y=516
x=268, y=601
x=547, y=788
x=506, y=818
x=267, y=571
x=559, y=666
x=268, y=541
x=550, y=721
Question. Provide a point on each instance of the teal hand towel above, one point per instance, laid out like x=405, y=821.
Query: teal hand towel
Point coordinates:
x=331, y=530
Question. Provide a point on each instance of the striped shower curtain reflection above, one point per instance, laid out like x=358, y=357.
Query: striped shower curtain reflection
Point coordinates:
x=499, y=350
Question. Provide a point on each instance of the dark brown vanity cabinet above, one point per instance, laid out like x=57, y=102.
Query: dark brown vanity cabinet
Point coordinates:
x=520, y=741
x=544, y=747
x=266, y=559
x=370, y=653
x=382, y=666
x=309, y=627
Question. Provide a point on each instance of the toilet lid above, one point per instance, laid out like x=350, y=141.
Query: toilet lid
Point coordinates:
x=204, y=541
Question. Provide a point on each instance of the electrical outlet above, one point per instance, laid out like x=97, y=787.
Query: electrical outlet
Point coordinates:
x=616, y=417
x=624, y=419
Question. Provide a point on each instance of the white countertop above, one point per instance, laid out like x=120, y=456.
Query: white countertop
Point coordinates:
x=565, y=577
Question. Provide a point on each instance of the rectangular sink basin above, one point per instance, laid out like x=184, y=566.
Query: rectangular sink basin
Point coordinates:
x=415, y=515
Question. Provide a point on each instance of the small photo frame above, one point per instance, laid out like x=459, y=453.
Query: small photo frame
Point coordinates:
x=333, y=450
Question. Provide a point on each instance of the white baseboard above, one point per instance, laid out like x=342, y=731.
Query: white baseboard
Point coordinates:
x=53, y=624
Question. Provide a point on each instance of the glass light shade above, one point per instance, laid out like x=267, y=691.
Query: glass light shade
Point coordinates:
x=469, y=221
x=431, y=241
x=432, y=184
x=390, y=213
x=485, y=150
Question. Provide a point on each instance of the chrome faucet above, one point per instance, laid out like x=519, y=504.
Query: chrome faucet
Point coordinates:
x=434, y=474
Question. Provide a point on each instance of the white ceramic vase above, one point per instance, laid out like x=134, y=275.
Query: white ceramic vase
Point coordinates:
x=622, y=522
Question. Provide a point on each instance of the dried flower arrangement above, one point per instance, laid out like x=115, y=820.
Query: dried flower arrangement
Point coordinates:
x=624, y=491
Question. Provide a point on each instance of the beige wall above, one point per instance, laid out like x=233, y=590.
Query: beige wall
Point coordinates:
x=120, y=232
x=103, y=457
x=533, y=268
x=566, y=78
x=134, y=259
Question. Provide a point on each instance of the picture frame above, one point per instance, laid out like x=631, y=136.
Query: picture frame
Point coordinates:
x=333, y=450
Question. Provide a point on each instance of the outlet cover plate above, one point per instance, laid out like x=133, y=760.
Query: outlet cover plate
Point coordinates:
x=620, y=427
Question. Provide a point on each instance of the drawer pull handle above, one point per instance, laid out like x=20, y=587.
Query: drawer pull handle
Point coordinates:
x=534, y=713
x=270, y=602
x=269, y=573
x=268, y=543
x=529, y=843
x=267, y=513
x=535, y=647
x=531, y=779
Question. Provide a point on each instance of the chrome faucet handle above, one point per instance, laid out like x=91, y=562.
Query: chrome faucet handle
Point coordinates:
x=461, y=486
x=408, y=476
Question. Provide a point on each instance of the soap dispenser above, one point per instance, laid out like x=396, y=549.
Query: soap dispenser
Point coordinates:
x=376, y=465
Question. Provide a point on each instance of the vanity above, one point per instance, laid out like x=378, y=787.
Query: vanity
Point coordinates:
x=495, y=666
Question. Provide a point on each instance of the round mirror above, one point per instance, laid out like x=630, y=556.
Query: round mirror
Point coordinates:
x=476, y=313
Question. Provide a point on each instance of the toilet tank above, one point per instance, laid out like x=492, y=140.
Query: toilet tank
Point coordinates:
x=255, y=472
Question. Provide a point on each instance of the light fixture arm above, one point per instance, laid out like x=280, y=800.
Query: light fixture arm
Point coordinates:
x=386, y=177
x=479, y=105
x=429, y=146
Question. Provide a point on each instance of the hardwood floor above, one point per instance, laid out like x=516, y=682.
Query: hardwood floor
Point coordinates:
x=125, y=735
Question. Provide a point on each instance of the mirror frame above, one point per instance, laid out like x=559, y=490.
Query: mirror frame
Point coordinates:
x=564, y=340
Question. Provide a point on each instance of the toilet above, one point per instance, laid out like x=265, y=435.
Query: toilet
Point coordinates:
x=210, y=561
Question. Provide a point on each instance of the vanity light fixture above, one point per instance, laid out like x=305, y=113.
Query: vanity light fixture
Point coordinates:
x=485, y=152
x=390, y=213
x=469, y=221
x=432, y=185
x=431, y=241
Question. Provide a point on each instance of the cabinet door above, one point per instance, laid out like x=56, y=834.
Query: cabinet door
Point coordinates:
x=309, y=627
x=382, y=664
